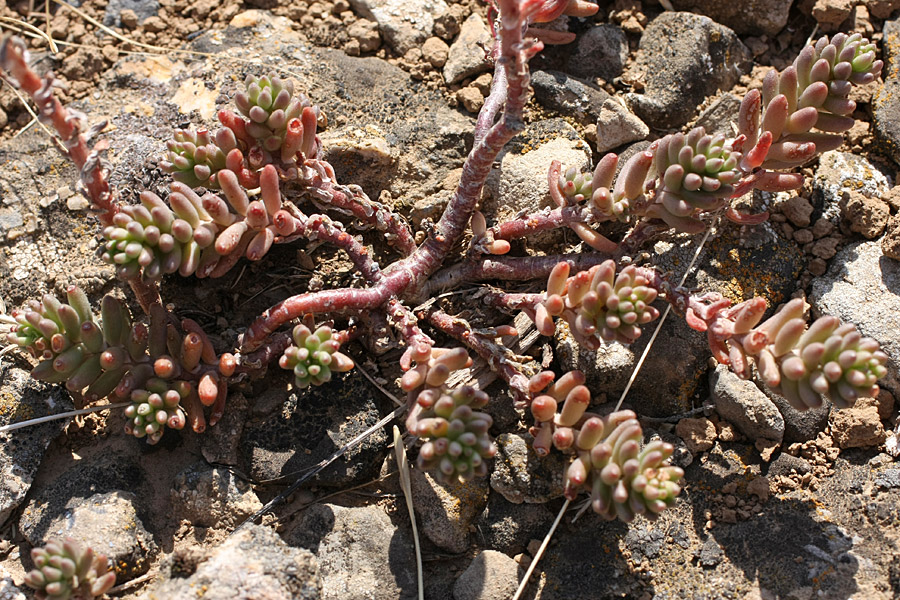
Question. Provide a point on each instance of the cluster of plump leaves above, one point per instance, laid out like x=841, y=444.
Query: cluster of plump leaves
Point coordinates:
x=598, y=304
x=802, y=363
x=314, y=356
x=698, y=172
x=457, y=444
x=156, y=367
x=65, y=570
x=812, y=93
x=622, y=478
x=194, y=157
x=193, y=235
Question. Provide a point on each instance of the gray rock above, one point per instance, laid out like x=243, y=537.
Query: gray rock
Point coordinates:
x=109, y=524
x=520, y=184
x=888, y=479
x=210, y=496
x=743, y=404
x=617, y=125
x=467, y=56
x=103, y=475
x=710, y=553
x=644, y=542
x=568, y=96
x=520, y=475
x=685, y=58
x=252, y=564
x=669, y=377
x=221, y=444
x=861, y=286
x=754, y=17
x=601, y=51
x=362, y=555
x=838, y=174
x=404, y=24
x=8, y=588
x=785, y=464
x=144, y=9
x=886, y=100
x=311, y=425
x=800, y=425
x=508, y=527
x=446, y=511
x=491, y=576
x=721, y=113
x=22, y=450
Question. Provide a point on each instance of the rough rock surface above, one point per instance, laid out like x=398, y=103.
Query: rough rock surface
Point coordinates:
x=109, y=524
x=568, y=95
x=886, y=101
x=21, y=451
x=743, y=404
x=252, y=564
x=862, y=286
x=466, y=56
x=520, y=475
x=405, y=24
x=685, y=58
x=310, y=425
x=601, y=51
x=839, y=174
x=492, y=575
x=213, y=497
x=361, y=554
x=508, y=527
x=753, y=17
x=446, y=511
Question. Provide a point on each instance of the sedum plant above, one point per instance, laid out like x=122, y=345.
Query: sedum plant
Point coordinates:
x=65, y=570
x=260, y=179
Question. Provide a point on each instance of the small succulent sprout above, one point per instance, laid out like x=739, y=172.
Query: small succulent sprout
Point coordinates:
x=458, y=445
x=194, y=157
x=65, y=570
x=574, y=185
x=314, y=356
x=622, y=478
x=155, y=406
x=696, y=173
x=557, y=408
x=483, y=238
x=282, y=123
x=598, y=304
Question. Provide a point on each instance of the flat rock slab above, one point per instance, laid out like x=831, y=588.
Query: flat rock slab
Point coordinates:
x=310, y=425
x=22, y=450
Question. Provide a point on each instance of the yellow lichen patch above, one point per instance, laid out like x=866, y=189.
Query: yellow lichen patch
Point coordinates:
x=741, y=275
x=194, y=95
x=13, y=410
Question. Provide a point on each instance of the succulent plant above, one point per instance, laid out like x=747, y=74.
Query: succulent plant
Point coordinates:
x=282, y=123
x=622, y=478
x=597, y=303
x=314, y=356
x=194, y=157
x=72, y=347
x=825, y=359
x=156, y=407
x=457, y=445
x=697, y=172
x=66, y=570
x=812, y=93
x=193, y=235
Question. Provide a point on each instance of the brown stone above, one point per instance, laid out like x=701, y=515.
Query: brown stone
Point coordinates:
x=699, y=435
